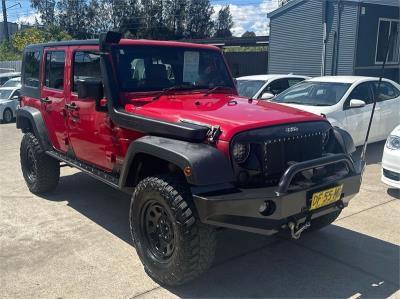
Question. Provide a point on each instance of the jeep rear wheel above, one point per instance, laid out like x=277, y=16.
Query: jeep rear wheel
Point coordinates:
x=172, y=244
x=41, y=172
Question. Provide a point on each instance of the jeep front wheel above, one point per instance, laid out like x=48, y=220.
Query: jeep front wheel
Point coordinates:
x=172, y=244
x=41, y=172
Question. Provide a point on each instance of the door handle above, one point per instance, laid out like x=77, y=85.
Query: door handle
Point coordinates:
x=71, y=107
x=45, y=100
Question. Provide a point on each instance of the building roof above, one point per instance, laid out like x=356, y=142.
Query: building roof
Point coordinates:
x=296, y=2
x=142, y=42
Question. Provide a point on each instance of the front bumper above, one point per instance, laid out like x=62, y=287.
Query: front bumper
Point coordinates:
x=243, y=209
x=391, y=167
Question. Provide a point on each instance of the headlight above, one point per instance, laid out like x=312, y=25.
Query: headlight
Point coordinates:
x=393, y=142
x=240, y=152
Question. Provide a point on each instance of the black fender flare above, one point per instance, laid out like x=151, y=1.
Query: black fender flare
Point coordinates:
x=209, y=166
x=345, y=140
x=29, y=118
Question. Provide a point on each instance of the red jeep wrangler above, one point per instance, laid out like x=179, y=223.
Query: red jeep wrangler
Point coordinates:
x=163, y=122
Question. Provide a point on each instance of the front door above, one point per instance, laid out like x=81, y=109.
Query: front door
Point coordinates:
x=357, y=119
x=52, y=99
x=90, y=132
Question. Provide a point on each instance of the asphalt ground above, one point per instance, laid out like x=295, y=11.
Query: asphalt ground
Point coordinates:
x=75, y=243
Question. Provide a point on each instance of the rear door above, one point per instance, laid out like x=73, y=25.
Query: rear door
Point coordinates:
x=388, y=103
x=52, y=96
x=90, y=132
x=357, y=119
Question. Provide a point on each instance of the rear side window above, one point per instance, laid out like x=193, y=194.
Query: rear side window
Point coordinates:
x=31, y=69
x=386, y=91
x=86, y=66
x=54, y=70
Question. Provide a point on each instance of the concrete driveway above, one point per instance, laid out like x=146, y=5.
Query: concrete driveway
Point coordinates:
x=75, y=243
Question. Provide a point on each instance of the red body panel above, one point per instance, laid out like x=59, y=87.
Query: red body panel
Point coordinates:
x=54, y=112
x=95, y=139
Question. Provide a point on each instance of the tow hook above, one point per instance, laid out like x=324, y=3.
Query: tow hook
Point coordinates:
x=296, y=230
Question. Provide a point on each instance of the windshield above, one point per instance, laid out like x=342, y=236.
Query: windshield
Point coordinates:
x=5, y=94
x=249, y=88
x=151, y=68
x=313, y=93
x=12, y=83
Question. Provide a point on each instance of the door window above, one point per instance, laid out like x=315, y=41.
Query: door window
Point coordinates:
x=54, y=70
x=31, y=69
x=293, y=81
x=386, y=91
x=86, y=66
x=362, y=92
x=277, y=86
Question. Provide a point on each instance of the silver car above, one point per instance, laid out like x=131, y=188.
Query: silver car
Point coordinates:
x=8, y=103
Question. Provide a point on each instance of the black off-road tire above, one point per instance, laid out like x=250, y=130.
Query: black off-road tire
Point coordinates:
x=7, y=116
x=323, y=221
x=193, y=243
x=41, y=172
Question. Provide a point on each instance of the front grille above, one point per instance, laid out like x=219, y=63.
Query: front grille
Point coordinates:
x=391, y=175
x=280, y=153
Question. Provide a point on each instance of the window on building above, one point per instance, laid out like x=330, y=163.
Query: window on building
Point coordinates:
x=86, y=66
x=31, y=68
x=386, y=28
x=54, y=71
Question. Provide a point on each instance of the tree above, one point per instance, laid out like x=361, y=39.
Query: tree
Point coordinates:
x=198, y=19
x=33, y=35
x=13, y=50
x=73, y=18
x=224, y=23
x=175, y=17
x=46, y=9
x=249, y=34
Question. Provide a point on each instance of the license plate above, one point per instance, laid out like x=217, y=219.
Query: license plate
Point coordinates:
x=326, y=197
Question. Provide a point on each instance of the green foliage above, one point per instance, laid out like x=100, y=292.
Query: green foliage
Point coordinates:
x=246, y=49
x=7, y=52
x=32, y=35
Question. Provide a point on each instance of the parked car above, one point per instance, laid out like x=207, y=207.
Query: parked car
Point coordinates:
x=391, y=159
x=169, y=128
x=9, y=97
x=347, y=103
x=266, y=86
x=14, y=82
x=4, y=77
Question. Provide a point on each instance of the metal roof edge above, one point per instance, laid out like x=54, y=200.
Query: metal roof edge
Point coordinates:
x=284, y=7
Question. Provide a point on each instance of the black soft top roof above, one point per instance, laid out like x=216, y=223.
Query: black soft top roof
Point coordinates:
x=64, y=43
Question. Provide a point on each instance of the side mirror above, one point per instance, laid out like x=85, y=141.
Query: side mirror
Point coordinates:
x=15, y=98
x=92, y=89
x=354, y=103
x=267, y=96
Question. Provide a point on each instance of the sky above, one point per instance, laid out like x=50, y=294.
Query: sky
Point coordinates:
x=248, y=15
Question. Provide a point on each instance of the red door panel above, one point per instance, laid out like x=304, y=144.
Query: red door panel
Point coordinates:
x=53, y=96
x=90, y=132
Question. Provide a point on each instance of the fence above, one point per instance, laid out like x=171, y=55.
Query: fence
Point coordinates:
x=247, y=63
x=10, y=66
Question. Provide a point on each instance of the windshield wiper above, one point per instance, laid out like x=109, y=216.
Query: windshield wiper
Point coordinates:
x=175, y=87
x=211, y=90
